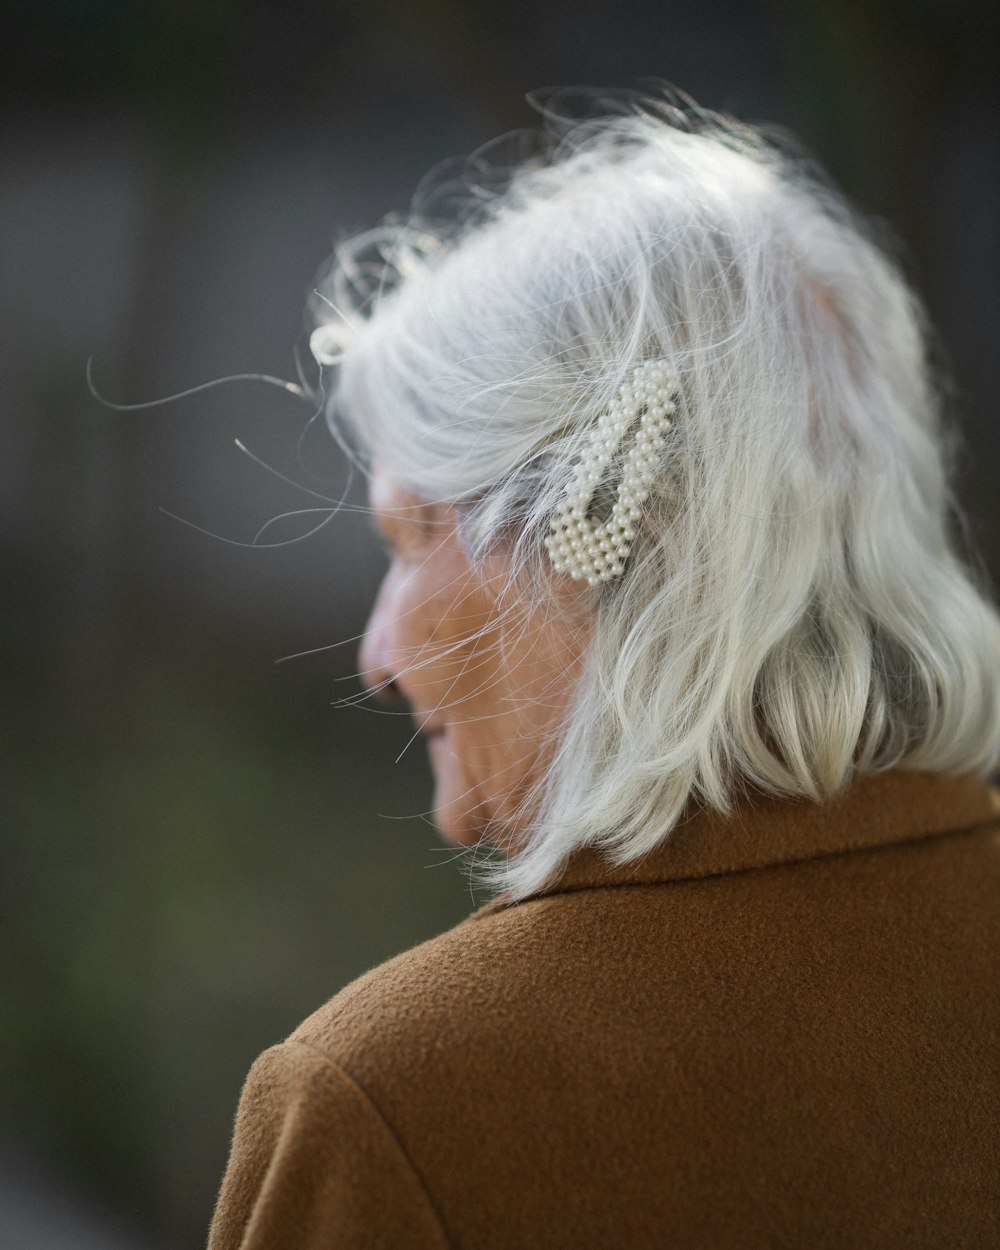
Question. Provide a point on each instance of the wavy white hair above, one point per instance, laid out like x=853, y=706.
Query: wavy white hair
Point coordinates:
x=793, y=612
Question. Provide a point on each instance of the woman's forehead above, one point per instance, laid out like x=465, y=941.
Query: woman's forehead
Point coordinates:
x=396, y=507
x=390, y=499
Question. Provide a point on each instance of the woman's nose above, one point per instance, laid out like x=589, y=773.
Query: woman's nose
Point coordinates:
x=375, y=656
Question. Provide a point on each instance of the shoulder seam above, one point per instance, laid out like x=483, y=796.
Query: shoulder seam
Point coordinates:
x=377, y=1111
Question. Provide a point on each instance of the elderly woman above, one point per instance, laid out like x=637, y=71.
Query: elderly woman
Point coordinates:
x=673, y=598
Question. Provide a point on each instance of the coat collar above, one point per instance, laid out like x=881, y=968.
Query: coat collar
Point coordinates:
x=764, y=831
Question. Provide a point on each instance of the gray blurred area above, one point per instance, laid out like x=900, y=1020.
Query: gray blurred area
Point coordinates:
x=198, y=845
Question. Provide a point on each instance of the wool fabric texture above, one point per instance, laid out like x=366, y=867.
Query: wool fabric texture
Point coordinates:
x=778, y=1029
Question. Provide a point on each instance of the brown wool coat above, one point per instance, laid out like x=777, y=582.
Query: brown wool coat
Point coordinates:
x=775, y=1031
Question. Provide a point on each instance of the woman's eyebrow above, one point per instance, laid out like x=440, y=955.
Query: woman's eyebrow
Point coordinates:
x=392, y=527
x=381, y=527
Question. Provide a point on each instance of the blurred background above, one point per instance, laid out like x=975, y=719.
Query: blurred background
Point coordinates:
x=198, y=846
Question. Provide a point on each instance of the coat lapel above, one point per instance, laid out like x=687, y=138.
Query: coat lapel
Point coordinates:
x=763, y=831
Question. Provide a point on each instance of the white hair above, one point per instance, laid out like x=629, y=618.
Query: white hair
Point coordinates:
x=793, y=612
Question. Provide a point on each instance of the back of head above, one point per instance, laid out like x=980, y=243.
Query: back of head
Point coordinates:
x=792, y=612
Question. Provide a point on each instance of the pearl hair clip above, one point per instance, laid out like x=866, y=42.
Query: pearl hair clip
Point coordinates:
x=596, y=551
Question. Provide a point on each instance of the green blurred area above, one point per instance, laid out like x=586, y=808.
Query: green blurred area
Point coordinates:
x=198, y=849
x=191, y=882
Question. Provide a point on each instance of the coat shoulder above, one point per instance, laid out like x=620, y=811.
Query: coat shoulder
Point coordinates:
x=428, y=999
